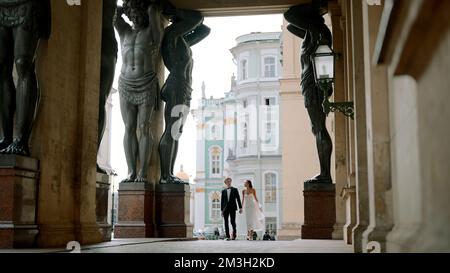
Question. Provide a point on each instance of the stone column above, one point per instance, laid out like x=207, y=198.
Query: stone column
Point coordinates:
x=339, y=121
x=378, y=137
x=349, y=196
x=65, y=134
x=18, y=201
x=172, y=206
x=405, y=165
x=358, y=78
x=349, y=193
x=434, y=148
x=296, y=134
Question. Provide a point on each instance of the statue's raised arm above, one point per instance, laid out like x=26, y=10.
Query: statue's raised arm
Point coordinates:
x=119, y=22
x=156, y=27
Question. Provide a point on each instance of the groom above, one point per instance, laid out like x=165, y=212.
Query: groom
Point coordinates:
x=230, y=196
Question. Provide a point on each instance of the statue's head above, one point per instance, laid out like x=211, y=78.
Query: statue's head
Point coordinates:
x=136, y=11
x=321, y=6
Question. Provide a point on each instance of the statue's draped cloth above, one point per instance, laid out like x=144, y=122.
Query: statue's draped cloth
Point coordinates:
x=139, y=91
x=32, y=15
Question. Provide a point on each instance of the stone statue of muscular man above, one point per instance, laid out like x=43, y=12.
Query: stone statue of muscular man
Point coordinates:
x=138, y=82
x=306, y=21
x=186, y=29
x=22, y=24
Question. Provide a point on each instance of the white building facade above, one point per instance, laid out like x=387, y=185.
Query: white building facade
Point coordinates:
x=238, y=136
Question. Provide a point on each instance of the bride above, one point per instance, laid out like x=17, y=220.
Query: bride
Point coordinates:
x=253, y=213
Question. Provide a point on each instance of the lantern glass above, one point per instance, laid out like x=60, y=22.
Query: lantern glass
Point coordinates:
x=324, y=63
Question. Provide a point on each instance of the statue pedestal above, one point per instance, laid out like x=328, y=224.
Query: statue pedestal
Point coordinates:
x=172, y=211
x=320, y=211
x=135, y=216
x=102, y=200
x=18, y=200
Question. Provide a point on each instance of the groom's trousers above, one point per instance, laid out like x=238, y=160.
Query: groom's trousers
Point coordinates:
x=230, y=214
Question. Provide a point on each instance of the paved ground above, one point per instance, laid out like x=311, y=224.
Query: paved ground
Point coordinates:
x=201, y=246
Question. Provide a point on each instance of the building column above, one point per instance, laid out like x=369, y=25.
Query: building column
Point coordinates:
x=65, y=134
x=406, y=180
x=296, y=134
x=358, y=78
x=339, y=122
x=349, y=193
x=378, y=137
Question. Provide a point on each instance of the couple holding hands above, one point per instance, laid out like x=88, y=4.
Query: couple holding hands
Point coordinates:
x=253, y=210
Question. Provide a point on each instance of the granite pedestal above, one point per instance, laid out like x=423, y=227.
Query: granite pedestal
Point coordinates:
x=172, y=207
x=135, y=215
x=320, y=211
x=18, y=201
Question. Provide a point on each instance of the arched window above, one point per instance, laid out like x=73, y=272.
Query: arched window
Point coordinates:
x=269, y=67
x=215, y=161
x=270, y=188
x=215, y=206
x=244, y=70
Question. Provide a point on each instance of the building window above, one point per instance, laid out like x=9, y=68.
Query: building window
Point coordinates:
x=269, y=131
x=270, y=188
x=269, y=107
x=271, y=225
x=216, y=161
x=245, y=144
x=269, y=117
x=215, y=213
x=269, y=67
x=269, y=101
x=215, y=132
x=244, y=70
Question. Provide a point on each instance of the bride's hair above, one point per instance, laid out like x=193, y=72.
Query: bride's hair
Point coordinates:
x=250, y=185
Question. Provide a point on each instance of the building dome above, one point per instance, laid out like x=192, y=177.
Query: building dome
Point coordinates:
x=183, y=175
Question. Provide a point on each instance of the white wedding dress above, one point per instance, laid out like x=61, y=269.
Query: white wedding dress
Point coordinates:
x=253, y=215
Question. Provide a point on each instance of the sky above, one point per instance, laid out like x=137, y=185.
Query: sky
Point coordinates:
x=214, y=65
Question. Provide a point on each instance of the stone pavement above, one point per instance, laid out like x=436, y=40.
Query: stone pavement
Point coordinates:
x=202, y=246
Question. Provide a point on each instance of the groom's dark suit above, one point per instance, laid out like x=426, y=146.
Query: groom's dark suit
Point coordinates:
x=229, y=208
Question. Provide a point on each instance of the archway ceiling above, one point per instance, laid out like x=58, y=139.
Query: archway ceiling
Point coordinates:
x=237, y=7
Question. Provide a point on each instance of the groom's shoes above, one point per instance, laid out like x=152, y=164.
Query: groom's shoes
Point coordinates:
x=234, y=237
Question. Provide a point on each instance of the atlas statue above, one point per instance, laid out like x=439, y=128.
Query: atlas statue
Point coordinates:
x=138, y=82
x=306, y=21
x=23, y=23
x=186, y=29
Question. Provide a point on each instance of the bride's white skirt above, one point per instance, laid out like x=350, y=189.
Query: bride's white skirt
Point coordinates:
x=253, y=214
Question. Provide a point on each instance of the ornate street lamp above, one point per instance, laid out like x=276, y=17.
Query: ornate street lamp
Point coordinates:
x=323, y=61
